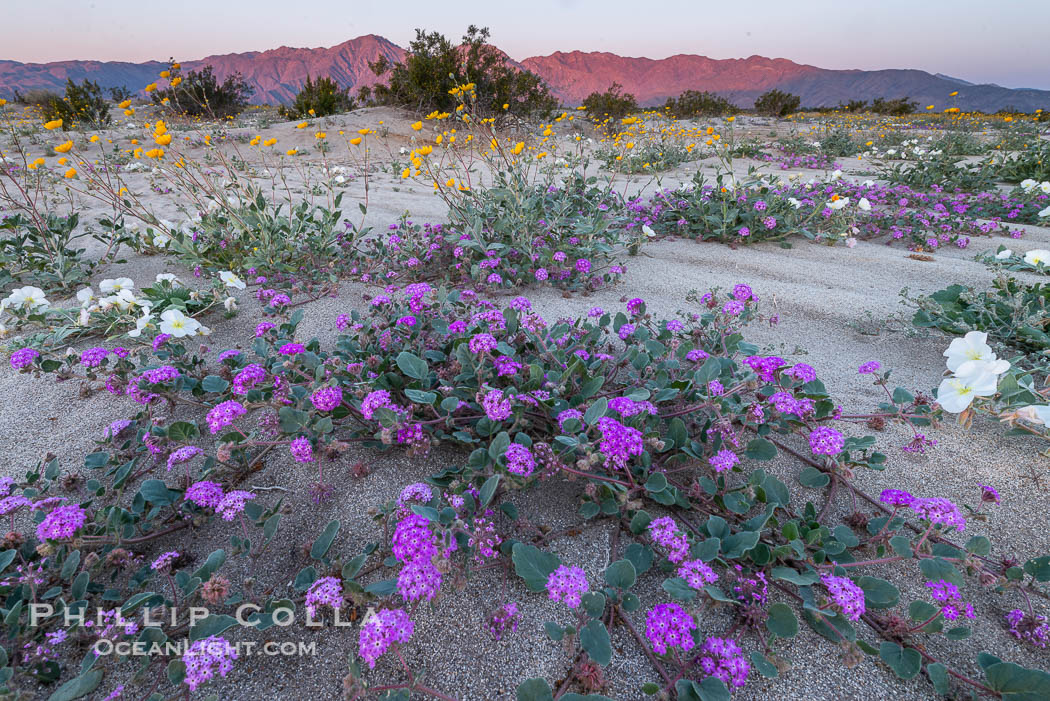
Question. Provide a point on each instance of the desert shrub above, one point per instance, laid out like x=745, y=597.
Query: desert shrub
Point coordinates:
x=853, y=106
x=199, y=93
x=747, y=148
x=694, y=103
x=775, y=103
x=434, y=67
x=120, y=93
x=897, y=107
x=81, y=104
x=318, y=98
x=610, y=106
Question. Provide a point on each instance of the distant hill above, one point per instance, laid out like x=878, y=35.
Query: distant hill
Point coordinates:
x=277, y=75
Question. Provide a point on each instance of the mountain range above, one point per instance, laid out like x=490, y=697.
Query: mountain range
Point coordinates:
x=277, y=74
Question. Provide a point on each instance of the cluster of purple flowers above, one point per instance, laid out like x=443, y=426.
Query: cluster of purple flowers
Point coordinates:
x=824, y=440
x=326, y=591
x=722, y=658
x=224, y=414
x=847, y=596
x=567, y=584
x=496, y=407
x=668, y=626
x=938, y=511
x=504, y=617
x=182, y=455
x=379, y=399
x=380, y=631
x=93, y=357
x=519, y=460
x=205, y=493
x=23, y=358
x=414, y=545
x=697, y=573
x=952, y=605
x=205, y=657
x=165, y=373
x=62, y=522
x=232, y=504
x=664, y=532
x=327, y=398
x=164, y=561
x=1030, y=628
x=723, y=460
x=618, y=442
x=248, y=377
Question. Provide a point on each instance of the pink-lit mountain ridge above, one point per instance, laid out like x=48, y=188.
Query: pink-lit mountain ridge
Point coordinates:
x=277, y=74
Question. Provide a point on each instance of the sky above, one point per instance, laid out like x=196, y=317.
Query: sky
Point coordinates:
x=1002, y=42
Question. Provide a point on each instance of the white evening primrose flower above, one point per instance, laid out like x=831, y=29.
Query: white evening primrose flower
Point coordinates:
x=794, y=203
x=167, y=277
x=141, y=323
x=26, y=298
x=835, y=175
x=84, y=317
x=1045, y=186
x=971, y=354
x=1004, y=254
x=1028, y=184
x=1045, y=212
x=955, y=394
x=863, y=204
x=231, y=280
x=839, y=203
x=112, y=287
x=177, y=324
x=86, y=296
x=230, y=303
x=648, y=231
x=1037, y=257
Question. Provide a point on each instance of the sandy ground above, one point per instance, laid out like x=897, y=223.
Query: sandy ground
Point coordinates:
x=819, y=293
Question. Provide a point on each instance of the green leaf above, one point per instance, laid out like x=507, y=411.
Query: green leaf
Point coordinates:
x=324, y=541
x=596, y=411
x=782, y=621
x=306, y=577
x=212, y=625
x=979, y=545
x=790, y=574
x=679, y=589
x=535, y=690
x=594, y=638
x=184, y=431
x=906, y=662
x=834, y=628
x=878, y=593
x=760, y=449
x=1039, y=567
x=69, y=566
x=412, y=365
x=77, y=687
x=214, y=383
x=593, y=603
x=421, y=397
x=351, y=568
x=641, y=556
x=621, y=574
x=901, y=545
x=766, y=668
x=488, y=490
x=657, y=482
x=935, y=568
x=938, y=675
x=533, y=565
x=813, y=478
x=1017, y=683
x=156, y=492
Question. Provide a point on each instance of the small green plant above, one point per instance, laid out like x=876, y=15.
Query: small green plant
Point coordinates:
x=82, y=104
x=896, y=107
x=838, y=142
